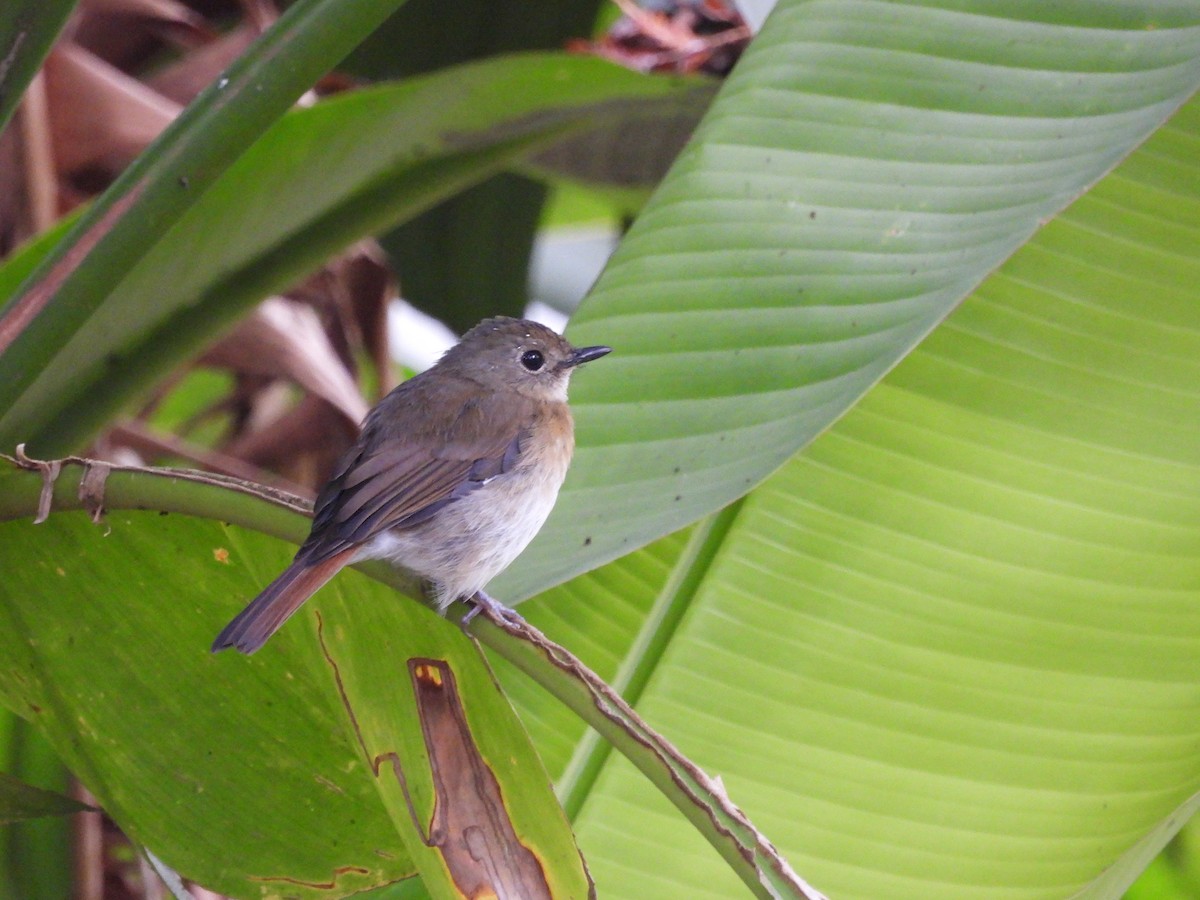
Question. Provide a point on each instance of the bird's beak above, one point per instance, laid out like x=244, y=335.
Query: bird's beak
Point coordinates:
x=586, y=354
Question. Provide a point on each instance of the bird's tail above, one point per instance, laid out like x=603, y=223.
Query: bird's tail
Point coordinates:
x=265, y=614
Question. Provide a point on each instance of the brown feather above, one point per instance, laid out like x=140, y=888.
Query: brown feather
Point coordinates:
x=282, y=597
x=396, y=479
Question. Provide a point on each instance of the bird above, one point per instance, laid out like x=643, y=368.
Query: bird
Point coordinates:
x=452, y=475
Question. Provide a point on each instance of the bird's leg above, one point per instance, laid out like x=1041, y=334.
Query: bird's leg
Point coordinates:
x=481, y=600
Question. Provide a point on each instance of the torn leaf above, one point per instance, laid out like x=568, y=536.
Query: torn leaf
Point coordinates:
x=471, y=826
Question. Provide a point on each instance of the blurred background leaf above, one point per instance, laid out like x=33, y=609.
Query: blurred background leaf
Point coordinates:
x=19, y=800
x=26, y=31
x=468, y=257
x=319, y=179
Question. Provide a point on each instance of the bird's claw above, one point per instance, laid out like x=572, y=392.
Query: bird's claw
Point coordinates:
x=496, y=610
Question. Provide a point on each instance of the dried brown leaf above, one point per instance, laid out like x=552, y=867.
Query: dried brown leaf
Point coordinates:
x=683, y=36
x=284, y=339
x=100, y=117
x=28, y=180
x=16, y=223
x=136, y=36
x=125, y=32
x=259, y=13
x=302, y=444
x=361, y=284
x=471, y=827
x=41, y=182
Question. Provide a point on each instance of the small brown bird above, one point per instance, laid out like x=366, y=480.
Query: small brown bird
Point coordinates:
x=454, y=473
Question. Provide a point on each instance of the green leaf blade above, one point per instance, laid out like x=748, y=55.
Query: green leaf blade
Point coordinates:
x=27, y=31
x=949, y=650
x=197, y=756
x=864, y=168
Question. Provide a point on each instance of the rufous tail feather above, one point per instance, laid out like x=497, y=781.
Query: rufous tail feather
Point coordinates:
x=264, y=615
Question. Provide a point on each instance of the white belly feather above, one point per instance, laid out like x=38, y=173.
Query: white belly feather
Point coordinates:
x=470, y=541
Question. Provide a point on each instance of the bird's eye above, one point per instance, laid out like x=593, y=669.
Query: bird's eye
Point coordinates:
x=533, y=360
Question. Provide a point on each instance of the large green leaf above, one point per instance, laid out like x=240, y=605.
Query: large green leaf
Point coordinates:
x=430, y=749
x=104, y=682
x=949, y=650
x=317, y=180
x=865, y=166
x=286, y=773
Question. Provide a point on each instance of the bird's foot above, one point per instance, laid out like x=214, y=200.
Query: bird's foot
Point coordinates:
x=481, y=600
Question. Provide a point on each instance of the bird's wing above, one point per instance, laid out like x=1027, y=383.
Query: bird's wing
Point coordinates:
x=402, y=480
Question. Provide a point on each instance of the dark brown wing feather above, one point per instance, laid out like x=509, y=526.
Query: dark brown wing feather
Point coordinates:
x=396, y=477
